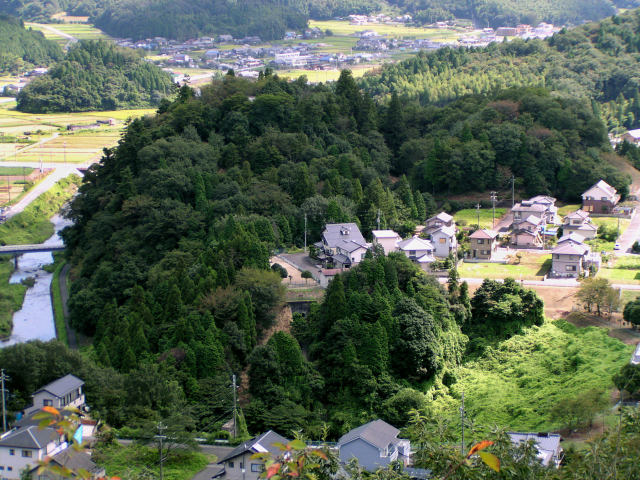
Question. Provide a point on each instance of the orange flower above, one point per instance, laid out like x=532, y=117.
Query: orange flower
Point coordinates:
x=479, y=446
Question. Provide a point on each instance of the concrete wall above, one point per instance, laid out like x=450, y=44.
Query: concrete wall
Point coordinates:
x=442, y=250
x=388, y=244
x=560, y=262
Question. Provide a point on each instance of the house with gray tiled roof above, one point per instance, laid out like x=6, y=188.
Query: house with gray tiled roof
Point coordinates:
x=24, y=447
x=579, y=222
x=238, y=463
x=550, y=452
x=342, y=245
x=374, y=445
x=74, y=461
x=61, y=393
x=572, y=258
x=483, y=244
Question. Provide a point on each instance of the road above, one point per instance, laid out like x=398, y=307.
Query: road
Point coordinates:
x=29, y=147
x=55, y=31
x=550, y=282
x=630, y=235
x=58, y=174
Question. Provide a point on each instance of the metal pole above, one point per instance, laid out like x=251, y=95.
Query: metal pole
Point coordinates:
x=478, y=210
x=160, y=437
x=493, y=205
x=235, y=420
x=378, y=219
x=9, y=189
x=305, y=244
x=4, y=410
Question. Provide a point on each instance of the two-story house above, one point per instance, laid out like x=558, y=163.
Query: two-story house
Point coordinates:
x=600, y=198
x=527, y=233
x=418, y=250
x=570, y=258
x=525, y=209
x=63, y=392
x=387, y=239
x=440, y=220
x=579, y=222
x=444, y=241
x=549, y=203
x=238, y=463
x=342, y=245
x=375, y=445
x=24, y=447
x=483, y=244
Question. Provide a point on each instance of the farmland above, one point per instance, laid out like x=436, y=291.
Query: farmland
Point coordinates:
x=530, y=266
x=49, y=139
x=344, y=28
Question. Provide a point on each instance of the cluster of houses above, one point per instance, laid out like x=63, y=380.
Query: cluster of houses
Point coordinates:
x=25, y=444
x=374, y=445
x=12, y=89
x=343, y=246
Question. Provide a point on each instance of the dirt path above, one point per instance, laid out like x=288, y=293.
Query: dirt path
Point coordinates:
x=626, y=167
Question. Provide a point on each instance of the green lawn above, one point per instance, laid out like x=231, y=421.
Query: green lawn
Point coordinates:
x=610, y=222
x=316, y=76
x=532, y=266
x=567, y=209
x=15, y=171
x=469, y=216
x=138, y=461
x=11, y=296
x=518, y=383
x=629, y=295
x=33, y=225
x=624, y=270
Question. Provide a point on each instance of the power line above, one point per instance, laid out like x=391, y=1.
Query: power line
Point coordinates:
x=160, y=437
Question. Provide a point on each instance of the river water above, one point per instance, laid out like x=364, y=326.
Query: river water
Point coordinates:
x=35, y=320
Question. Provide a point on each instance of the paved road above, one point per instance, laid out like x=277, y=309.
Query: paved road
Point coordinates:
x=550, y=282
x=630, y=235
x=43, y=186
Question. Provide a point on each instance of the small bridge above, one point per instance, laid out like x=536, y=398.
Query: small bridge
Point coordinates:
x=17, y=250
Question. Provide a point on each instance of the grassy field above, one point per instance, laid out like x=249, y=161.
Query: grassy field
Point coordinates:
x=138, y=461
x=343, y=27
x=11, y=296
x=33, y=225
x=517, y=384
x=76, y=30
x=56, y=299
x=532, y=266
x=73, y=148
x=609, y=222
x=622, y=270
x=567, y=209
x=469, y=216
x=17, y=171
x=317, y=76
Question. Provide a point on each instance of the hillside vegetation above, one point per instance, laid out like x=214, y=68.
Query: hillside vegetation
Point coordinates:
x=96, y=75
x=596, y=61
x=22, y=49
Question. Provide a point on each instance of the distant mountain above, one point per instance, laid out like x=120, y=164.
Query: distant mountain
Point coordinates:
x=96, y=75
x=22, y=49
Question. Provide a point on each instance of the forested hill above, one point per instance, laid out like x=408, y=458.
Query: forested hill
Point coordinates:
x=173, y=231
x=96, y=75
x=596, y=61
x=22, y=49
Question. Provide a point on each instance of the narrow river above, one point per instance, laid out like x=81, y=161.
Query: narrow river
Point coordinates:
x=35, y=320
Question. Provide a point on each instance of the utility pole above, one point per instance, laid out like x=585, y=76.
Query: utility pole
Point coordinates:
x=235, y=415
x=478, y=210
x=378, y=219
x=160, y=437
x=494, y=198
x=305, y=251
x=513, y=190
x=3, y=377
x=462, y=412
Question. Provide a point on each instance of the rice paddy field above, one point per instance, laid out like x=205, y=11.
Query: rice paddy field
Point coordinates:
x=317, y=76
x=343, y=27
x=51, y=142
x=60, y=32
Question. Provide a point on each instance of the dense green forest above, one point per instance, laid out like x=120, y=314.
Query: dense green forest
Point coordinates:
x=173, y=231
x=22, y=49
x=96, y=75
x=595, y=61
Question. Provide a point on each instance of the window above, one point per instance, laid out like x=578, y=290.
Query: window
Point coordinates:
x=571, y=268
x=604, y=199
x=241, y=464
x=47, y=403
x=27, y=453
x=12, y=451
x=10, y=468
x=257, y=467
x=412, y=253
x=442, y=240
x=230, y=464
x=480, y=241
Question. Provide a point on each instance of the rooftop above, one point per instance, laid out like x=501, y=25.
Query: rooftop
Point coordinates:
x=484, y=233
x=260, y=444
x=378, y=433
x=600, y=189
x=62, y=386
x=384, y=234
x=415, y=243
x=29, y=437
